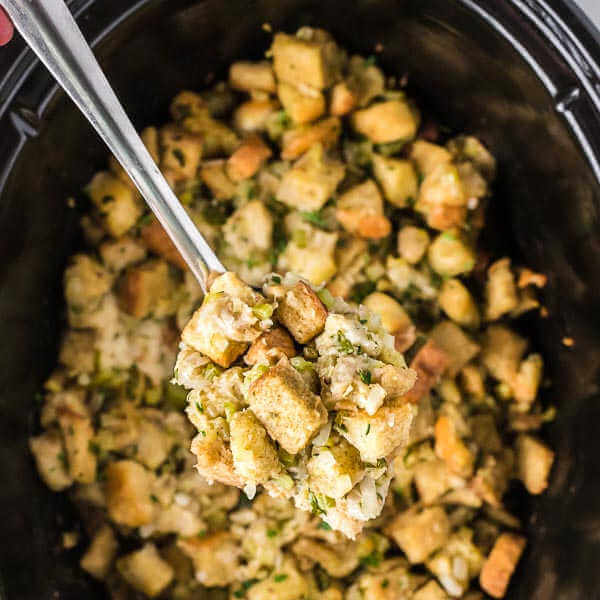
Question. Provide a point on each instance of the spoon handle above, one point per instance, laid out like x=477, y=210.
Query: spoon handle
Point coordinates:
x=51, y=32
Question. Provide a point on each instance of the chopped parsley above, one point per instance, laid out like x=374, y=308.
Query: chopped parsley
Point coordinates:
x=154, y=498
x=368, y=429
x=245, y=586
x=271, y=533
x=371, y=560
x=344, y=344
x=276, y=279
x=365, y=376
x=203, y=433
x=279, y=577
x=145, y=220
x=315, y=217
x=385, y=583
x=324, y=526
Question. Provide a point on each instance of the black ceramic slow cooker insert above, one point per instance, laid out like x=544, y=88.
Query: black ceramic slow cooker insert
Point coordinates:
x=523, y=75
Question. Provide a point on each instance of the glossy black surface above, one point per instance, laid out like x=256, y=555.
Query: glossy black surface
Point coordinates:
x=466, y=72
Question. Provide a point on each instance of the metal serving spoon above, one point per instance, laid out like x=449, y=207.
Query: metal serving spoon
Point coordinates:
x=51, y=32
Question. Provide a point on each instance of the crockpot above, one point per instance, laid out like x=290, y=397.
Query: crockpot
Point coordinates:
x=523, y=75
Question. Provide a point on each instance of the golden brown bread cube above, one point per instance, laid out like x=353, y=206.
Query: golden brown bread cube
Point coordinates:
x=252, y=76
x=451, y=449
x=430, y=591
x=270, y=347
x=214, y=457
x=385, y=122
x=252, y=115
x=397, y=178
x=215, y=557
x=501, y=563
x=248, y=158
x=298, y=140
x=302, y=312
x=287, y=408
x=342, y=100
x=98, y=557
x=143, y=286
x=457, y=345
x=128, y=490
x=376, y=436
x=117, y=254
x=419, y=534
x=181, y=151
x=534, y=462
x=145, y=570
x=255, y=458
x=430, y=363
x=50, y=460
x=502, y=350
x=301, y=107
x=158, y=241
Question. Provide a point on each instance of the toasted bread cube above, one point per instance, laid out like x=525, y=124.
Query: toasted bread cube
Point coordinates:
x=215, y=557
x=365, y=80
x=360, y=211
x=419, y=534
x=85, y=282
x=154, y=441
x=252, y=115
x=246, y=161
x=457, y=345
x=77, y=351
x=249, y=229
x=310, y=252
x=311, y=181
x=430, y=363
x=215, y=460
x=450, y=256
x=144, y=286
x=159, y=242
x=255, y=458
x=313, y=61
x=501, y=563
x=301, y=108
x=430, y=591
x=145, y=570
x=215, y=177
x=181, y=151
x=412, y=244
x=500, y=290
x=339, y=560
x=378, y=435
x=300, y=139
x=388, y=121
x=429, y=156
x=76, y=426
x=128, y=491
x=534, y=462
x=287, y=408
x=205, y=331
x=334, y=470
x=302, y=312
x=458, y=303
x=395, y=320
x=50, y=460
x=101, y=552
x=502, y=351
x=270, y=347
x=433, y=479
x=527, y=381
x=451, y=449
x=397, y=179
x=252, y=76
x=457, y=562
x=117, y=204
x=120, y=253
x=342, y=101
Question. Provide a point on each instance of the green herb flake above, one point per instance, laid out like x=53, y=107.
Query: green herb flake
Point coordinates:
x=315, y=217
x=279, y=577
x=276, y=279
x=371, y=560
x=324, y=526
x=361, y=290
x=94, y=448
x=154, y=498
x=344, y=344
x=370, y=61
x=145, y=220
x=203, y=433
x=271, y=533
x=199, y=407
x=368, y=429
x=365, y=376
x=385, y=583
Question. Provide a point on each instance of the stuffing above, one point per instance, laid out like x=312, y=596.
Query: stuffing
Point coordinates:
x=270, y=347
x=458, y=303
x=534, y=461
x=287, y=408
x=252, y=76
x=385, y=122
x=458, y=346
x=101, y=552
x=301, y=107
x=145, y=570
x=397, y=179
x=303, y=138
x=500, y=290
x=247, y=159
x=50, y=460
x=412, y=243
x=117, y=254
x=430, y=363
x=501, y=563
x=302, y=312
